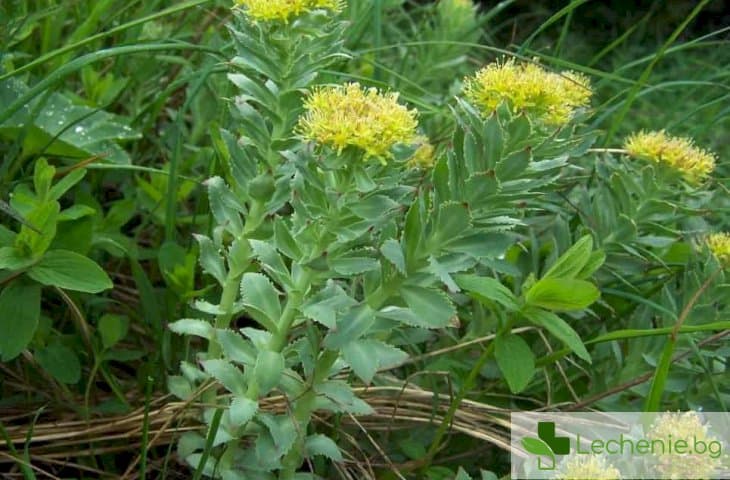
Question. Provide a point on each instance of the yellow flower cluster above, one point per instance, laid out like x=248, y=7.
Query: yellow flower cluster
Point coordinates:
x=678, y=153
x=685, y=426
x=352, y=116
x=587, y=467
x=284, y=10
x=719, y=244
x=549, y=97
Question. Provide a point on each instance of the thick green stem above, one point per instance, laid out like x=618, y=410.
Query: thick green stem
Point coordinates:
x=280, y=336
x=223, y=320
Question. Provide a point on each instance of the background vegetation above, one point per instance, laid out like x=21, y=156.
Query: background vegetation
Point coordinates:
x=108, y=114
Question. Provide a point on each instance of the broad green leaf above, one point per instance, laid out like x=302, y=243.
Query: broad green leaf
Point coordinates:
x=261, y=299
x=226, y=208
x=361, y=357
x=513, y=166
x=413, y=232
x=62, y=127
x=559, y=328
x=373, y=207
x=367, y=356
x=595, y=261
x=452, y=221
x=271, y=262
x=342, y=398
x=573, y=260
x=112, y=328
x=349, y=264
x=515, y=360
x=179, y=386
x=66, y=183
x=43, y=217
x=485, y=288
x=350, y=326
x=228, y=375
x=432, y=307
x=392, y=251
x=562, y=294
x=42, y=178
x=285, y=241
x=268, y=369
x=242, y=410
x=493, y=141
x=319, y=444
x=70, y=271
x=192, y=326
x=210, y=259
x=236, y=348
x=353, y=265
x=239, y=256
x=324, y=306
x=282, y=429
x=61, y=362
x=12, y=259
x=75, y=212
x=443, y=273
x=20, y=309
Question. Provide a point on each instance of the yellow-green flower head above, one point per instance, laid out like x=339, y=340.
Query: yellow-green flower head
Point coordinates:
x=423, y=157
x=587, y=467
x=352, y=116
x=284, y=10
x=551, y=98
x=685, y=426
x=678, y=153
x=719, y=245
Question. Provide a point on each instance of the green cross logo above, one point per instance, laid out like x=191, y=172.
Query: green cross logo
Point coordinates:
x=546, y=445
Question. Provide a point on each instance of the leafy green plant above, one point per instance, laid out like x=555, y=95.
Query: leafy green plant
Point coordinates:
x=29, y=262
x=354, y=288
x=333, y=251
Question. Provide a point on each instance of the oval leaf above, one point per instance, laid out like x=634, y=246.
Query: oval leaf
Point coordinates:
x=515, y=360
x=562, y=294
x=70, y=271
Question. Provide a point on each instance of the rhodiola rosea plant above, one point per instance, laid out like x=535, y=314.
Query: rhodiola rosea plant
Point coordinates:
x=344, y=239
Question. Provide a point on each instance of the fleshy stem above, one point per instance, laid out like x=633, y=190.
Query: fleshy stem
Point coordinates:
x=464, y=390
x=280, y=336
x=305, y=405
